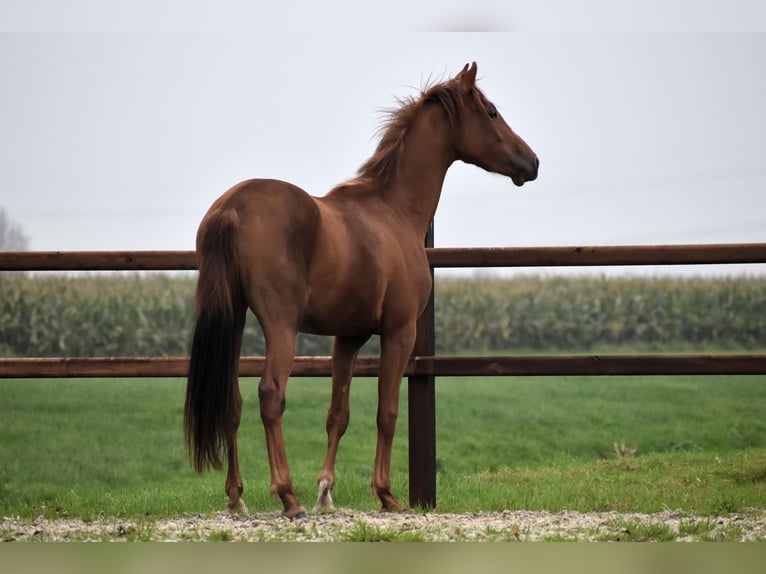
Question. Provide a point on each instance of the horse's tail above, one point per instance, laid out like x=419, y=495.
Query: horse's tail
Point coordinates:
x=214, y=356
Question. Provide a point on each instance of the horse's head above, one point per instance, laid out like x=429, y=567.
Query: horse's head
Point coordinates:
x=484, y=139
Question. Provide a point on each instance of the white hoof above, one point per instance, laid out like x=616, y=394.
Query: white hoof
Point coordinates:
x=237, y=507
x=324, y=497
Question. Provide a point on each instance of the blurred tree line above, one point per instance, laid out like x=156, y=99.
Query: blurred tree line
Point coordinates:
x=12, y=238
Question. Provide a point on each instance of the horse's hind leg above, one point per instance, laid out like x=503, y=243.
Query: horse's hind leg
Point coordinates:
x=234, y=486
x=280, y=345
x=344, y=355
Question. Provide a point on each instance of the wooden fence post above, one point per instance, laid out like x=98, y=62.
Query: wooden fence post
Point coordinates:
x=421, y=393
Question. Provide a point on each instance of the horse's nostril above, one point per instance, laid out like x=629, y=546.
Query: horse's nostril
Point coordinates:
x=533, y=164
x=535, y=167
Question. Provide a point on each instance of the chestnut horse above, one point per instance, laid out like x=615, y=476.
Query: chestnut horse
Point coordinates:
x=349, y=264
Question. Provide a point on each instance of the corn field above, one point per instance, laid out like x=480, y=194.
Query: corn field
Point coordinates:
x=151, y=315
x=579, y=314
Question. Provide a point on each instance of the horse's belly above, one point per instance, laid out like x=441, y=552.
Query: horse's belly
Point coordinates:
x=344, y=316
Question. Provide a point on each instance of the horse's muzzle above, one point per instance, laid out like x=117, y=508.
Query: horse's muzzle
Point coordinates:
x=525, y=170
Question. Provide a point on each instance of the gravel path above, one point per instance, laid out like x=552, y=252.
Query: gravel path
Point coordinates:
x=350, y=525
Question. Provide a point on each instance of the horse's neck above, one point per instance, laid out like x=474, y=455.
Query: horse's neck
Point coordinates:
x=426, y=156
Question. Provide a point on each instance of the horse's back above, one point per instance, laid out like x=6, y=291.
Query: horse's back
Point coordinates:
x=263, y=196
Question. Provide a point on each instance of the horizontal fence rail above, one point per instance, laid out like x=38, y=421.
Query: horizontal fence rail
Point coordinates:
x=438, y=257
x=598, y=255
x=468, y=366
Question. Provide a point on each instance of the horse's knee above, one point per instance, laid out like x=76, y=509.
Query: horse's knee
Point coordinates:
x=272, y=401
x=387, y=422
x=337, y=421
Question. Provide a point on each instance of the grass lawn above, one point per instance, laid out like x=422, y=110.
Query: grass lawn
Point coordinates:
x=83, y=447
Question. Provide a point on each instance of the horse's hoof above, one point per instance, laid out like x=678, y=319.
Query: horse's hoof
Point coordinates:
x=324, y=498
x=296, y=514
x=237, y=507
x=391, y=507
x=323, y=509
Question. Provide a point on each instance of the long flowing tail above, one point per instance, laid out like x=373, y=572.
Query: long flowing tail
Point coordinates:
x=215, y=346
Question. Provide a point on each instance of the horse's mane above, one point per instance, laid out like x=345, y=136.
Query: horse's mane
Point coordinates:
x=384, y=163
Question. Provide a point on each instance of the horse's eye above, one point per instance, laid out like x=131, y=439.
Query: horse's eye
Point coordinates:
x=492, y=112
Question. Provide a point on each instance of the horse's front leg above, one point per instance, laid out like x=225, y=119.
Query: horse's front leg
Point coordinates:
x=344, y=355
x=396, y=348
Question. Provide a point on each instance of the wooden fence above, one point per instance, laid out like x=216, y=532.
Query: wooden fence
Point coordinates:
x=423, y=366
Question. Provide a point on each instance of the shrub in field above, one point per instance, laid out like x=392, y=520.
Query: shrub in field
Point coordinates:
x=151, y=315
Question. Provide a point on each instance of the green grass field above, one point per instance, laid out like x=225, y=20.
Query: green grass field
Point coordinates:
x=115, y=446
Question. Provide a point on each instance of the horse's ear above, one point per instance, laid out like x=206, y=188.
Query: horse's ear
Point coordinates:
x=467, y=77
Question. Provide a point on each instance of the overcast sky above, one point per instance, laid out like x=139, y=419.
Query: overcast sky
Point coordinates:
x=122, y=141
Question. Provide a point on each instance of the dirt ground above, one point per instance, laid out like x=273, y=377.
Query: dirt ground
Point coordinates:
x=346, y=525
